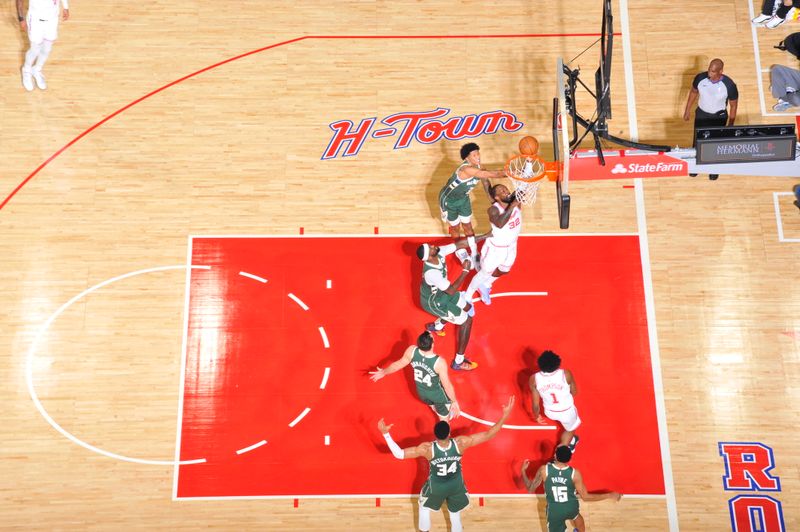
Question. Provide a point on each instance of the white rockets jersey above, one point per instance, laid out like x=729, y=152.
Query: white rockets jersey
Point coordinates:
x=554, y=389
x=44, y=9
x=506, y=235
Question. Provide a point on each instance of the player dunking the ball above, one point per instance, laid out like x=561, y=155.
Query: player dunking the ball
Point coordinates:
x=454, y=199
x=500, y=251
x=430, y=376
x=445, y=479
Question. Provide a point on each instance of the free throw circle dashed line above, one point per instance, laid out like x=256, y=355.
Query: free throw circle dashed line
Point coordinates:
x=35, y=344
x=251, y=447
x=325, y=378
x=324, y=336
x=512, y=427
x=252, y=276
x=297, y=300
x=300, y=417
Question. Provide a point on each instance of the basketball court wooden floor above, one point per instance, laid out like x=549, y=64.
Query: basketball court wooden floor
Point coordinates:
x=237, y=150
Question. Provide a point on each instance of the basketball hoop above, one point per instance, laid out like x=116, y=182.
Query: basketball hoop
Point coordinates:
x=526, y=171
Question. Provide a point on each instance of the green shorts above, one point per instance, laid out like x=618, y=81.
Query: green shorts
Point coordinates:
x=558, y=512
x=433, y=495
x=457, y=211
x=436, y=399
x=447, y=307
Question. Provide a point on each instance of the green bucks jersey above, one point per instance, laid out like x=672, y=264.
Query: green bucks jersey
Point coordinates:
x=445, y=466
x=455, y=189
x=425, y=377
x=428, y=293
x=558, y=486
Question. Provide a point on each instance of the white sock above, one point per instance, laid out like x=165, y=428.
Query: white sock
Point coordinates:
x=438, y=324
x=30, y=56
x=455, y=521
x=473, y=246
x=459, y=358
x=424, y=518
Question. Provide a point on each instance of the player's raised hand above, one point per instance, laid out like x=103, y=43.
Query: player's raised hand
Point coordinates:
x=541, y=420
x=375, y=376
x=525, y=465
x=383, y=427
x=507, y=408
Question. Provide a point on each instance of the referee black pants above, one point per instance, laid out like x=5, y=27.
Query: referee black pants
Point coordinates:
x=703, y=119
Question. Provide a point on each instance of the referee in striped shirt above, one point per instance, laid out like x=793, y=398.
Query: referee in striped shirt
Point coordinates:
x=715, y=92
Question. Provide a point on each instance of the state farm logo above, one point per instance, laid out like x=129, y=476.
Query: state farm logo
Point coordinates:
x=646, y=168
x=424, y=127
x=619, y=168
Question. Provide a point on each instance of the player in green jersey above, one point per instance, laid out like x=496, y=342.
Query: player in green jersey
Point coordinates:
x=440, y=297
x=445, y=480
x=454, y=199
x=430, y=375
x=562, y=485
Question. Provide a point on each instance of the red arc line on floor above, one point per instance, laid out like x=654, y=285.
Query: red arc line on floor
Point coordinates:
x=259, y=50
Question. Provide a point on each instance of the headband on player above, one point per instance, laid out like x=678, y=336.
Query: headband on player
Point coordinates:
x=426, y=252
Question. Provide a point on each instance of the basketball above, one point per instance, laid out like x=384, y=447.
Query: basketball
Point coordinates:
x=529, y=146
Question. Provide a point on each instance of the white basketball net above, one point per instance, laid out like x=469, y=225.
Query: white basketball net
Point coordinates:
x=526, y=173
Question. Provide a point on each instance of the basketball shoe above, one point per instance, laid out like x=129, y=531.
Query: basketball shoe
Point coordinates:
x=39, y=78
x=27, y=79
x=760, y=20
x=431, y=327
x=774, y=22
x=467, y=365
x=573, y=442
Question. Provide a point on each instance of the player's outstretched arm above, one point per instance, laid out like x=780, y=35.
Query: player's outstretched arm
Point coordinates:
x=580, y=487
x=397, y=365
x=470, y=171
x=423, y=449
x=465, y=442
x=532, y=483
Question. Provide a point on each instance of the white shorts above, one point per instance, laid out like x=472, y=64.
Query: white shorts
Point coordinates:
x=41, y=30
x=494, y=257
x=568, y=418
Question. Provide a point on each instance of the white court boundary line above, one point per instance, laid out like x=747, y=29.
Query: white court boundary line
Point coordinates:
x=253, y=276
x=40, y=333
x=779, y=218
x=647, y=278
x=398, y=235
x=388, y=496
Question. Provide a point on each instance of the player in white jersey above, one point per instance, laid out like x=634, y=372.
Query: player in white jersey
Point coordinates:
x=500, y=250
x=41, y=23
x=556, y=388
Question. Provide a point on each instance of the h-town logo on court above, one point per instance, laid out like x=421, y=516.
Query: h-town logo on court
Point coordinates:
x=619, y=168
x=424, y=127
